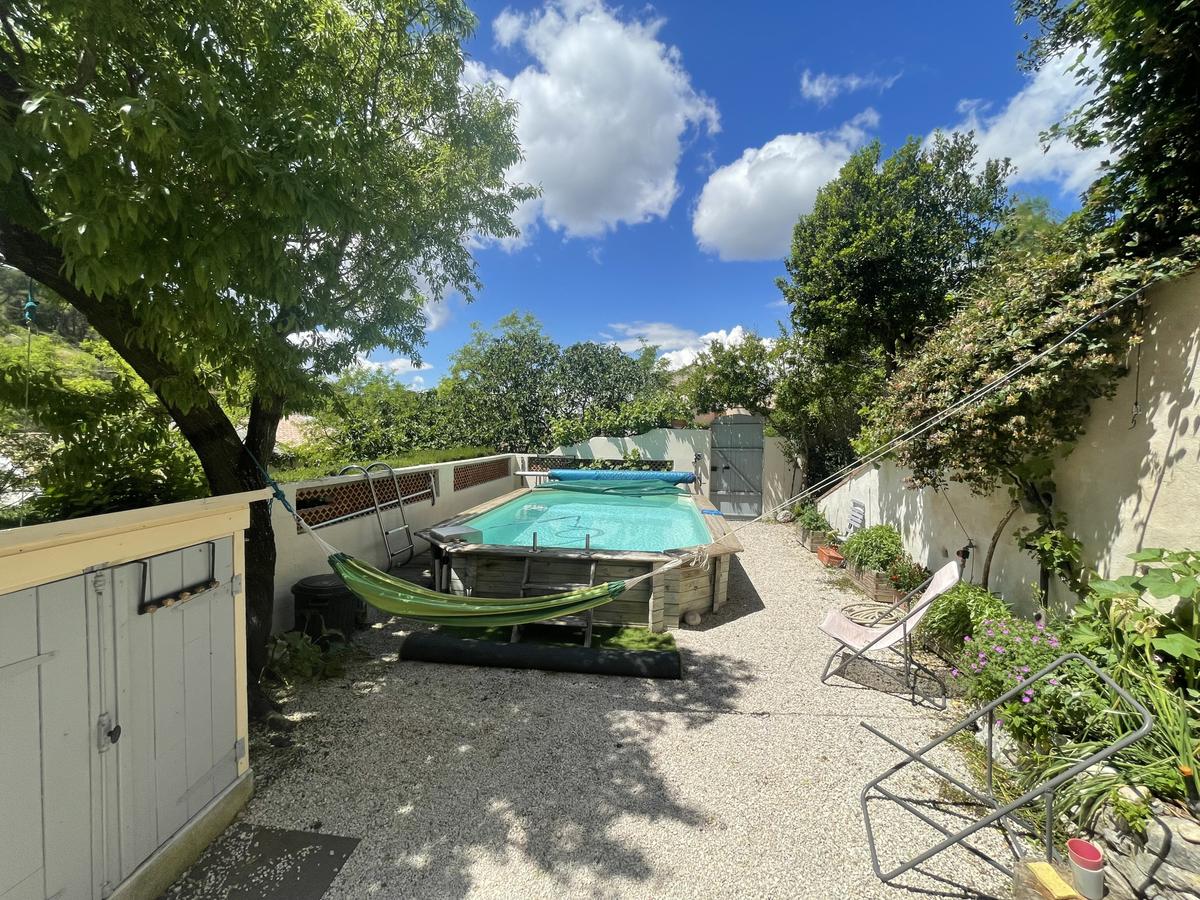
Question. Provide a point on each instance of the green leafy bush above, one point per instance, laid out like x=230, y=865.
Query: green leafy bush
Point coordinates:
x=310, y=468
x=1005, y=651
x=809, y=516
x=874, y=548
x=958, y=613
x=906, y=575
x=1142, y=630
x=294, y=656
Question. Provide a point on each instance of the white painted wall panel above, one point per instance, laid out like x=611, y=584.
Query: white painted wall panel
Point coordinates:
x=67, y=739
x=20, y=746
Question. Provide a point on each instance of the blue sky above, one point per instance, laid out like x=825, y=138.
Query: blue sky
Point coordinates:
x=676, y=144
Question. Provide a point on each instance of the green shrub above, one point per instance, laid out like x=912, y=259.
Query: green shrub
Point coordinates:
x=311, y=470
x=906, y=575
x=809, y=515
x=874, y=548
x=958, y=613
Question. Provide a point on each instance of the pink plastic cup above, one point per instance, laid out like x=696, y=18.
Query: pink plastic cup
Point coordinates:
x=1085, y=854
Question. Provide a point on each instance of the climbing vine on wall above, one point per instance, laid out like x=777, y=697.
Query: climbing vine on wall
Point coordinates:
x=1027, y=302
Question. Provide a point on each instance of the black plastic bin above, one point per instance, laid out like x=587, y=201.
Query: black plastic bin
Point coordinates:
x=324, y=603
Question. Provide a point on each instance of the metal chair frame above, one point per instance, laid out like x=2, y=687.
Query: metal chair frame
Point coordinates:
x=912, y=668
x=1001, y=814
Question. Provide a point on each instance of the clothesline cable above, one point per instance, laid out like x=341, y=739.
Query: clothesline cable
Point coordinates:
x=699, y=556
x=932, y=421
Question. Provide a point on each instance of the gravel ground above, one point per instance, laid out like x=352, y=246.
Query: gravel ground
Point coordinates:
x=742, y=780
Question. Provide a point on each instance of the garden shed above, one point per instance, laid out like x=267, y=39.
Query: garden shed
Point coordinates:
x=122, y=697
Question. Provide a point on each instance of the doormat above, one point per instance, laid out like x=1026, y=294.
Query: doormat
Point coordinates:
x=249, y=862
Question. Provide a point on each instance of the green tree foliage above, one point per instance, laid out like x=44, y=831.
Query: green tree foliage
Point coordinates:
x=204, y=181
x=591, y=376
x=1140, y=58
x=369, y=415
x=817, y=405
x=653, y=409
x=501, y=389
x=1025, y=304
x=94, y=438
x=728, y=376
x=873, y=265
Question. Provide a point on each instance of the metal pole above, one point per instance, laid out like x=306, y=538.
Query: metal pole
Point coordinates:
x=990, y=724
x=1050, y=826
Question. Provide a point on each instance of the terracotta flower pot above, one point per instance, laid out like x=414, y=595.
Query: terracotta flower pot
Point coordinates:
x=830, y=556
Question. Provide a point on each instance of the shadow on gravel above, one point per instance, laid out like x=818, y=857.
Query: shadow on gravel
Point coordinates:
x=447, y=766
x=744, y=600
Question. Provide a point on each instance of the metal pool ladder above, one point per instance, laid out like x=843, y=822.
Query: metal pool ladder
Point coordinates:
x=1001, y=815
x=527, y=583
x=406, y=549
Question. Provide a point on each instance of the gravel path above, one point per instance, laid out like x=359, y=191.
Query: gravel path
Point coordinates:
x=742, y=780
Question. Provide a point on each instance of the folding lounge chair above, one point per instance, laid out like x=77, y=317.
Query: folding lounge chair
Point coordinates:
x=896, y=637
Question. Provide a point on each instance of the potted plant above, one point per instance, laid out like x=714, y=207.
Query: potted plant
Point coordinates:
x=829, y=554
x=812, y=526
x=869, y=554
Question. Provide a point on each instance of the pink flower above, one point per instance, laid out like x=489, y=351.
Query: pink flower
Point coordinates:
x=966, y=639
x=954, y=673
x=998, y=649
x=1025, y=698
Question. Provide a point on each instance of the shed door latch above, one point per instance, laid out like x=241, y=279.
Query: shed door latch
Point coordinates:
x=107, y=733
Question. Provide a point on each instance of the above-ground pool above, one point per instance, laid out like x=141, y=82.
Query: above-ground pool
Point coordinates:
x=589, y=538
x=602, y=521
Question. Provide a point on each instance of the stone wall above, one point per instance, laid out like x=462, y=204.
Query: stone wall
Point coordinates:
x=1162, y=862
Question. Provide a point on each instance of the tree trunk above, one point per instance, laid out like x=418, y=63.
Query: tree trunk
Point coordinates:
x=987, y=562
x=227, y=466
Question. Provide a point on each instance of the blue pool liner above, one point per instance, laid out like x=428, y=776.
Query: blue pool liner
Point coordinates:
x=620, y=475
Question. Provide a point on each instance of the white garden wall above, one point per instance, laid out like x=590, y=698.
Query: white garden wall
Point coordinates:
x=681, y=445
x=1131, y=482
x=678, y=444
x=298, y=555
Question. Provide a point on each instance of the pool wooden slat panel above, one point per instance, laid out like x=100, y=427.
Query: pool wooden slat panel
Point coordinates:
x=497, y=570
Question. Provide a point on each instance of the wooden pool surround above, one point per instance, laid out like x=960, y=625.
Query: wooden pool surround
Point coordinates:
x=496, y=570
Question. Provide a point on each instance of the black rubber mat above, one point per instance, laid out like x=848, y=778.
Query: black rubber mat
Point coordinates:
x=248, y=862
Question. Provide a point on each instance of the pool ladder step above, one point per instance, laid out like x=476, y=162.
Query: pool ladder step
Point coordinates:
x=543, y=587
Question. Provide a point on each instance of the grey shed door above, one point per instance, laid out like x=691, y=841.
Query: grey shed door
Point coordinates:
x=77, y=813
x=735, y=484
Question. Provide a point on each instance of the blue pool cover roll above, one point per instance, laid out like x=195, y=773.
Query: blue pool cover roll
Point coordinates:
x=620, y=475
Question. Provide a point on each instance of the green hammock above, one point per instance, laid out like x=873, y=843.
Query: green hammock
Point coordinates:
x=403, y=598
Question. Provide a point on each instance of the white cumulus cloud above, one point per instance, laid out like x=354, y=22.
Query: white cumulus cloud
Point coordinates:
x=823, y=88
x=1013, y=132
x=747, y=208
x=679, y=346
x=605, y=110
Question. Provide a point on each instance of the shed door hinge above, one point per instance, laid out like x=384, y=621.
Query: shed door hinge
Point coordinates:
x=239, y=748
x=235, y=584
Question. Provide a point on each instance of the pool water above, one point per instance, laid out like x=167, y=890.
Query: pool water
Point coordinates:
x=564, y=519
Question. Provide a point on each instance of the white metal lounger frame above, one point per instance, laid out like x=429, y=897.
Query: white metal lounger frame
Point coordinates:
x=885, y=639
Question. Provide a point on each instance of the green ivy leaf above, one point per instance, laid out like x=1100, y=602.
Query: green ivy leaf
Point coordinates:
x=1178, y=645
